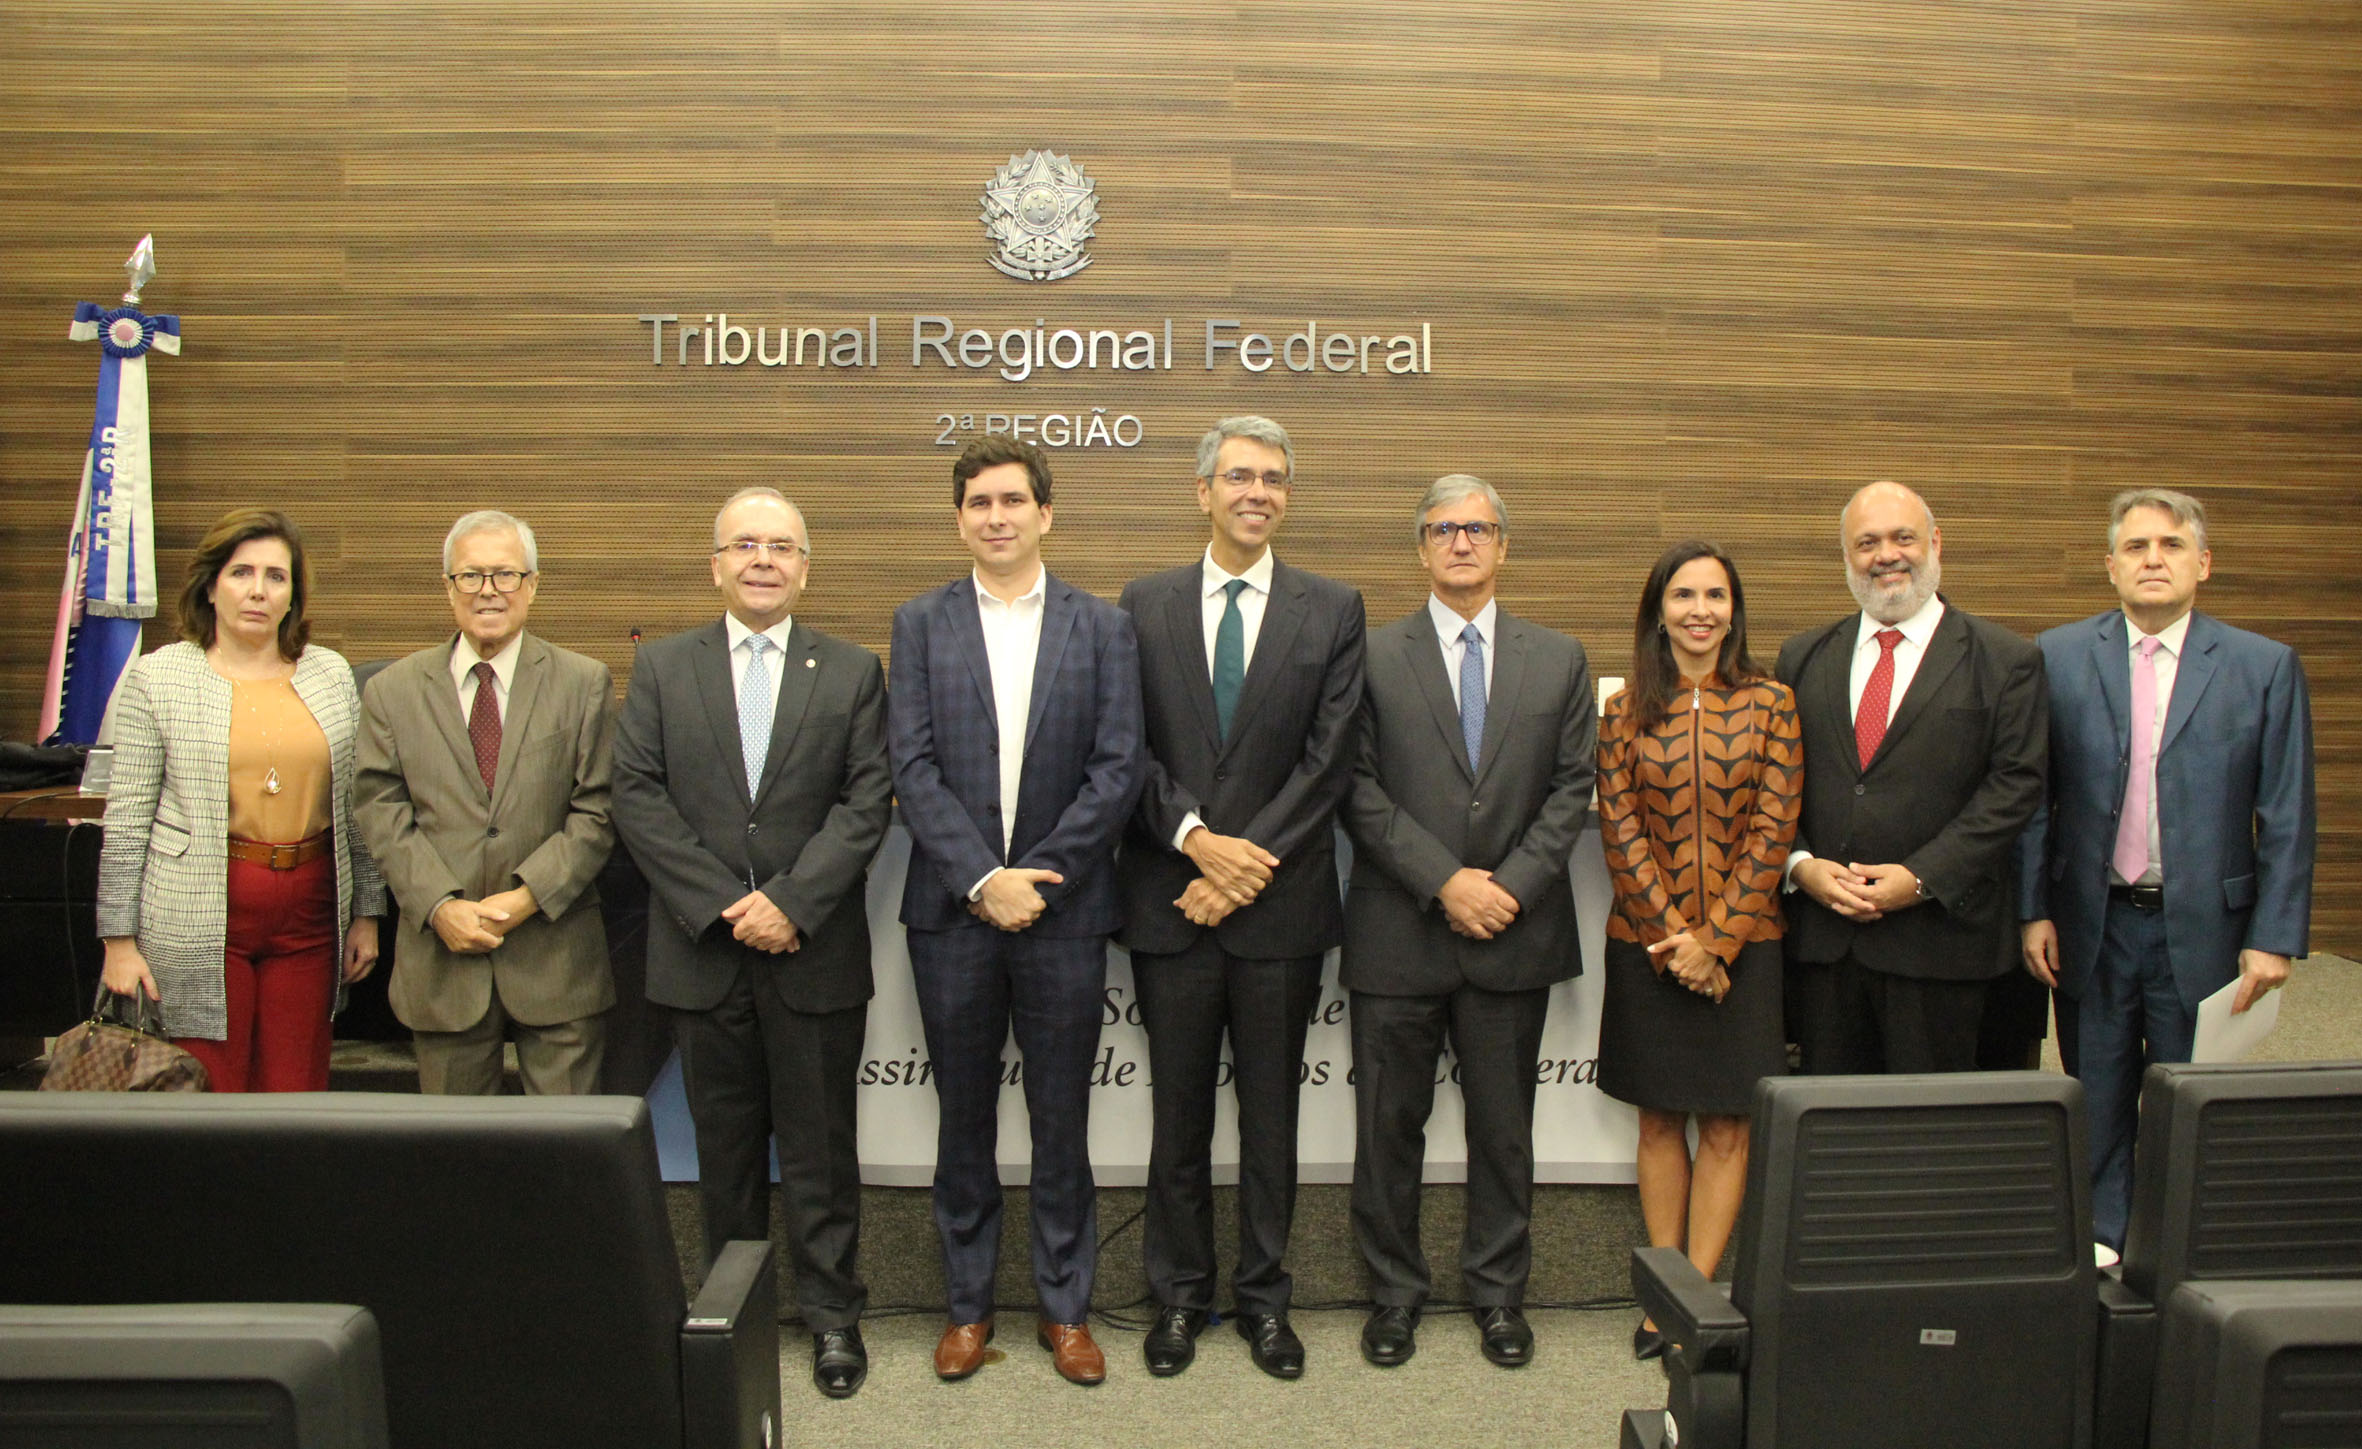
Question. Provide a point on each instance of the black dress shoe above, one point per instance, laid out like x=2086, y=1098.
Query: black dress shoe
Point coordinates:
x=1647, y=1343
x=1272, y=1344
x=839, y=1361
x=1172, y=1340
x=1391, y=1336
x=1507, y=1340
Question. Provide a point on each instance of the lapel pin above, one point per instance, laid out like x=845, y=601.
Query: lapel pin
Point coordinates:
x=811, y=664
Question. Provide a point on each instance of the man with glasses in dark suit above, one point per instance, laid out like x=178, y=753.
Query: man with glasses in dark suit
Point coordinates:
x=1252, y=674
x=751, y=788
x=1475, y=774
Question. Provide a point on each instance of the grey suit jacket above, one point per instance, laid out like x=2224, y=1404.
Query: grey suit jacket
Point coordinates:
x=805, y=840
x=2234, y=800
x=163, y=871
x=438, y=833
x=1418, y=813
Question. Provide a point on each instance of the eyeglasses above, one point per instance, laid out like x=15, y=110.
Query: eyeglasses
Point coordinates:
x=747, y=550
x=1241, y=477
x=1479, y=534
x=503, y=581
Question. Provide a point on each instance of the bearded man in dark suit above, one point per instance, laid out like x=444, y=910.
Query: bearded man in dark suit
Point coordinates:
x=1925, y=741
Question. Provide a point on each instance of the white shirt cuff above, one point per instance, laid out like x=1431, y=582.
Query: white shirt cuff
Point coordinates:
x=976, y=891
x=1796, y=857
x=1189, y=822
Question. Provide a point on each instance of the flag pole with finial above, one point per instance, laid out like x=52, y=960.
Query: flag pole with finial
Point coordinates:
x=110, y=580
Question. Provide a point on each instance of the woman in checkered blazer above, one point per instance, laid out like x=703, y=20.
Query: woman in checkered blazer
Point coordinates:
x=232, y=888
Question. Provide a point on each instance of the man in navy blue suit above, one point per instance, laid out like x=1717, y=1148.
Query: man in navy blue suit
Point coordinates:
x=1013, y=722
x=2175, y=853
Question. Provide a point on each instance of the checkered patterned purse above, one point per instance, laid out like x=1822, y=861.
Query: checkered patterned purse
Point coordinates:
x=105, y=1054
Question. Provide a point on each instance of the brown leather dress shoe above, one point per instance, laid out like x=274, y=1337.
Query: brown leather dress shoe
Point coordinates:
x=1078, y=1360
x=960, y=1352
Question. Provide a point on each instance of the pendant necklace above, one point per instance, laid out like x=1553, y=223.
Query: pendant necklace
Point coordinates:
x=271, y=784
x=270, y=749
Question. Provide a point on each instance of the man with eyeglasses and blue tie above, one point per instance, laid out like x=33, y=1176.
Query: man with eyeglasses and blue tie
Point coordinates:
x=1477, y=752
x=482, y=790
x=751, y=788
x=1252, y=675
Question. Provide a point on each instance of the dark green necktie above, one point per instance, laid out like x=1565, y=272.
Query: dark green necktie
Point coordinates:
x=1230, y=657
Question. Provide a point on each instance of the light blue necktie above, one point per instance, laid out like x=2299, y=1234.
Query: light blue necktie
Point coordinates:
x=756, y=703
x=1472, y=693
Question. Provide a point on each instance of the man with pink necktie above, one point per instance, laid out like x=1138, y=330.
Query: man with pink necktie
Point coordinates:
x=1925, y=734
x=2175, y=853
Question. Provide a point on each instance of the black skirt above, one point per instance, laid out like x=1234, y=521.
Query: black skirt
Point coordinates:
x=1664, y=1046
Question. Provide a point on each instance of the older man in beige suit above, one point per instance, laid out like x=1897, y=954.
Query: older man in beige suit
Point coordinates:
x=483, y=790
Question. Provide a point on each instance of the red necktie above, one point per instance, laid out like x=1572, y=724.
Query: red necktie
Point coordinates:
x=483, y=722
x=1877, y=698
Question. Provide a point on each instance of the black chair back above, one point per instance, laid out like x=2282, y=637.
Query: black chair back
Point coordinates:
x=2246, y=1170
x=1915, y=1263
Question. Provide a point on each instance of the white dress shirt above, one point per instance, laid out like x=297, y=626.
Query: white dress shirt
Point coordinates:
x=1909, y=650
x=2167, y=665
x=464, y=660
x=1012, y=642
x=1448, y=627
x=1213, y=580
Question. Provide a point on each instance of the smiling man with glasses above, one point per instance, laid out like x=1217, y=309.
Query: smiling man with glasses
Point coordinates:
x=1252, y=674
x=751, y=789
x=483, y=793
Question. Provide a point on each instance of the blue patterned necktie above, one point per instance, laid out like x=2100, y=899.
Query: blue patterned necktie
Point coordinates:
x=1230, y=658
x=756, y=702
x=1472, y=693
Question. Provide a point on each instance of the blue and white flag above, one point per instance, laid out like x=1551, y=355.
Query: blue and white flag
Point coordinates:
x=110, y=582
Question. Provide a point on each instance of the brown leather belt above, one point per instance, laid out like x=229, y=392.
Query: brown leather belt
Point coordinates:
x=279, y=857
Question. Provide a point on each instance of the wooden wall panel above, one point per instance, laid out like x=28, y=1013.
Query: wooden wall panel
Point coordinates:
x=1690, y=269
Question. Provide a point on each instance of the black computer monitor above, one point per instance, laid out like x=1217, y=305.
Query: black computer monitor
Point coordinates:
x=191, y=1375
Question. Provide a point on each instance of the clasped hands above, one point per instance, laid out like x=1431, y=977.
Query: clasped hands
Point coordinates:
x=756, y=921
x=1860, y=893
x=1474, y=905
x=1011, y=898
x=1233, y=869
x=472, y=928
x=1691, y=964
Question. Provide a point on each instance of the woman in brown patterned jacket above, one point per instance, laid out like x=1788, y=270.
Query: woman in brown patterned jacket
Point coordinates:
x=1700, y=771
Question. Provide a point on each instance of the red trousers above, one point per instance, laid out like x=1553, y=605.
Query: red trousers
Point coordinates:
x=279, y=975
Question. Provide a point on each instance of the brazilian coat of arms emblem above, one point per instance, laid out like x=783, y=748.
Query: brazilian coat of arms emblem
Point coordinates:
x=1039, y=210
